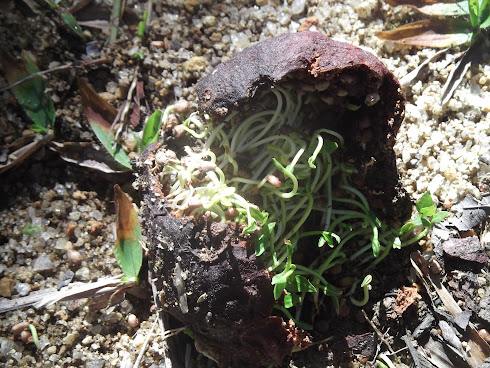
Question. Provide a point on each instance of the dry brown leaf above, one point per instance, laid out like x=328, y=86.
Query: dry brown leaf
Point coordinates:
x=405, y=298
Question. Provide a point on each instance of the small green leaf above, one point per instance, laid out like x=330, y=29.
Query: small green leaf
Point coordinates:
x=152, y=128
x=474, y=11
x=409, y=226
x=439, y=216
x=352, y=107
x=100, y=115
x=330, y=146
x=301, y=284
x=428, y=211
x=71, y=22
x=381, y=364
x=328, y=238
x=424, y=201
x=38, y=129
x=31, y=93
x=142, y=26
x=278, y=289
x=128, y=250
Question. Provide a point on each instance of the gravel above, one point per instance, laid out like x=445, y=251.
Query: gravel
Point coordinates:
x=48, y=208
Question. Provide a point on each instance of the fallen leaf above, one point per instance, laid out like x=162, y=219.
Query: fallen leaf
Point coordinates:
x=128, y=250
x=434, y=7
x=85, y=154
x=430, y=33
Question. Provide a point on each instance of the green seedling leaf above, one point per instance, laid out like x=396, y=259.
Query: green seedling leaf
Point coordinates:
x=431, y=32
x=330, y=146
x=474, y=11
x=128, y=250
x=301, y=284
x=428, y=211
x=262, y=242
x=31, y=93
x=29, y=229
x=291, y=300
x=352, y=107
x=71, y=22
x=278, y=289
x=38, y=129
x=35, y=338
x=100, y=115
x=439, y=216
x=142, y=26
x=328, y=238
x=406, y=228
x=421, y=222
x=424, y=202
x=152, y=128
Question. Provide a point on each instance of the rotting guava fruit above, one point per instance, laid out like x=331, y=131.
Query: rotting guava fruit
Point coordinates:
x=205, y=267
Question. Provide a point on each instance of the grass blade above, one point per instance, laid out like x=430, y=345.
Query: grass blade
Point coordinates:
x=128, y=250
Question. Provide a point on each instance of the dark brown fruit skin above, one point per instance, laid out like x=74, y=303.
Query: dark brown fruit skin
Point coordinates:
x=228, y=291
x=307, y=59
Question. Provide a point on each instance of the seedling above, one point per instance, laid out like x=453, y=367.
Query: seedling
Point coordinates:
x=451, y=24
x=35, y=337
x=65, y=15
x=128, y=250
x=307, y=165
x=30, y=229
x=30, y=93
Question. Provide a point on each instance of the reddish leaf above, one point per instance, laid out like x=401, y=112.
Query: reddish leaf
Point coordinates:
x=135, y=114
x=100, y=114
x=430, y=33
x=128, y=251
x=438, y=8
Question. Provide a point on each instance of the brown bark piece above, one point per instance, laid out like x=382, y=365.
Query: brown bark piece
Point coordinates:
x=209, y=278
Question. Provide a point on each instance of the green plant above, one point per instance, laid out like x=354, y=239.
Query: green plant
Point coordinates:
x=128, y=250
x=450, y=24
x=35, y=338
x=281, y=187
x=65, y=15
x=30, y=229
x=29, y=90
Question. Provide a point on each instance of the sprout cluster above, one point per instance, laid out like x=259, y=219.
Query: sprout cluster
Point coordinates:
x=267, y=172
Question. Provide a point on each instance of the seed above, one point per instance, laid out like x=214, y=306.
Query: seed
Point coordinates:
x=322, y=86
x=178, y=131
x=371, y=99
x=19, y=327
x=206, y=166
x=484, y=335
x=274, y=181
x=74, y=257
x=26, y=337
x=182, y=106
x=231, y=213
x=133, y=321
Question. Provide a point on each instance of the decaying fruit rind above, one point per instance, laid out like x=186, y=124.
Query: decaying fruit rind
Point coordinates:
x=209, y=278
x=309, y=61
